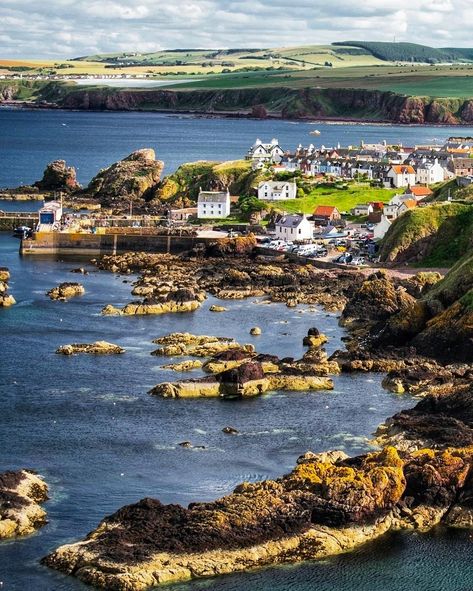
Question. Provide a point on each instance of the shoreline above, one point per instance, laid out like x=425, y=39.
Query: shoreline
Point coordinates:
x=231, y=115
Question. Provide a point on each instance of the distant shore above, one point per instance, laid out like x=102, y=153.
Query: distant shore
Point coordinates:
x=13, y=104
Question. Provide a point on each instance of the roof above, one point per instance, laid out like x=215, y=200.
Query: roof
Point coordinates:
x=325, y=210
x=410, y=203
x=290, y=221
x=213, y=197
x=277, y=185
x=418, y=191
x=403, y=169
x=363, y=206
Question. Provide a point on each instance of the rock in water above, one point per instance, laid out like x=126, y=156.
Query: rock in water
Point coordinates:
x=134, y=177
x=255, y=331
x=66, y=290
x=216, y=308
x=58, y=177
x=20, y=495
x=6, y=300
x=97, y=348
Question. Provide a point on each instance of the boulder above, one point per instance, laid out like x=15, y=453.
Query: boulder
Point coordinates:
x=255, y=331
x=58, y=177
x=21, y=494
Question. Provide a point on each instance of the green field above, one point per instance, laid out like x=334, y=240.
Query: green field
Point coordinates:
x=343, y=199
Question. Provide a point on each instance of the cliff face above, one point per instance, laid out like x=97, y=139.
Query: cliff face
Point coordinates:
x=284, y=102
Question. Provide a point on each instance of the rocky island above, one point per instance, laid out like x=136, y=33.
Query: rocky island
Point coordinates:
x=6, y=299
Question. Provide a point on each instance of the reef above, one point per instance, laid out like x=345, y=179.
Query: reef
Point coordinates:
x=97, y=348
x=65, y=291
x=21, y=493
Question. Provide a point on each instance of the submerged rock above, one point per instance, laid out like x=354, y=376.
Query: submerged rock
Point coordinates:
x=215, y=308
x=97, y=348
x=20, y=496
x=66, y=290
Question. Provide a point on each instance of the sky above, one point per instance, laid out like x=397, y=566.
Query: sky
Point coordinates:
x=43, y=29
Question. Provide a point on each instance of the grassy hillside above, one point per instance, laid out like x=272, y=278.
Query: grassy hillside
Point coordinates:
x=410, y=52
x=437, y=235
x=344, y=199
x=183, y=185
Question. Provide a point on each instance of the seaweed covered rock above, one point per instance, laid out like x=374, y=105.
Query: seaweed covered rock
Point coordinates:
x=21, y=493
x=328, y=504
x=66, y=290
x=58, y=176
x=376, y=300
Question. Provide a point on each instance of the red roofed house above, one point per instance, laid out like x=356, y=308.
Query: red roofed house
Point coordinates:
x=418, y=193
x=326, y=213
x=401, y=175
x=377, y=205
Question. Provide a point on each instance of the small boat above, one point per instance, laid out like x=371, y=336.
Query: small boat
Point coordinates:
x=21, y=231
x=315, y=132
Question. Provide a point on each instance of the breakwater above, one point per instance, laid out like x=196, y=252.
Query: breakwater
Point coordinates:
x=55, y=243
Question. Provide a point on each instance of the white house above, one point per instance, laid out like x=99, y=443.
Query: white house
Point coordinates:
x=294, y=227
x=261, y=154
x=391, y=210
x=380, y=229
x=401, y=175
x=428, y=173
x=362, y=209
x=213, y=204
x=277, y=190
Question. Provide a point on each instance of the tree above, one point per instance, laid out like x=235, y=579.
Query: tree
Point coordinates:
x=249, y=204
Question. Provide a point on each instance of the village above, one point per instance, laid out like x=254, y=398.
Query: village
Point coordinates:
x=405, y=178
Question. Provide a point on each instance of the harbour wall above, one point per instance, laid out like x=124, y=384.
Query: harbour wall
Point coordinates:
x=55, y=243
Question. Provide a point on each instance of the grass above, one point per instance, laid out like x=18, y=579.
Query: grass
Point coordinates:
x=342, y=199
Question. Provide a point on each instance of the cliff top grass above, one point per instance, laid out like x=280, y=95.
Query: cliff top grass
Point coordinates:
x=450, y=226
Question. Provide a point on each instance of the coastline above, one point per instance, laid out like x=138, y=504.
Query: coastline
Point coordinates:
x=203, y=114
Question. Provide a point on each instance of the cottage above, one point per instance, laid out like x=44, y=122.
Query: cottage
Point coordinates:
x=326, y=213
x=391, y=210
x=418, y=193
x=407, y=205
x=213, y=204
x=294, y=227
x=277, y=190
x=401, y=175
x=462, y=166
x=362, y=209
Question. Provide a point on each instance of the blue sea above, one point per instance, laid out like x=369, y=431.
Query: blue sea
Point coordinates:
x=29, y=139
x=90, y=428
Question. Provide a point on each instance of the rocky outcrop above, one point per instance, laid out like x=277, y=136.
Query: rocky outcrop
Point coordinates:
x=20, y=496
x=328, y=504
x=170, y=301
x=97, y=348
x=58, y=177
x=65, y=291
x=133, y=178
x=6, y=299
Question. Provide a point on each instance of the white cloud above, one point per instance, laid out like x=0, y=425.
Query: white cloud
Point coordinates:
x=68, y=28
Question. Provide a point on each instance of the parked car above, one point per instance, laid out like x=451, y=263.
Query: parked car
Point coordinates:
x=345, y=258
x=357, y=261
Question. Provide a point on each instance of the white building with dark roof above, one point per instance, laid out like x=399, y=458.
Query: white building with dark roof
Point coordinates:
x=277, y=190
x=261, y=153
x=213, y=204
x=294, y=227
